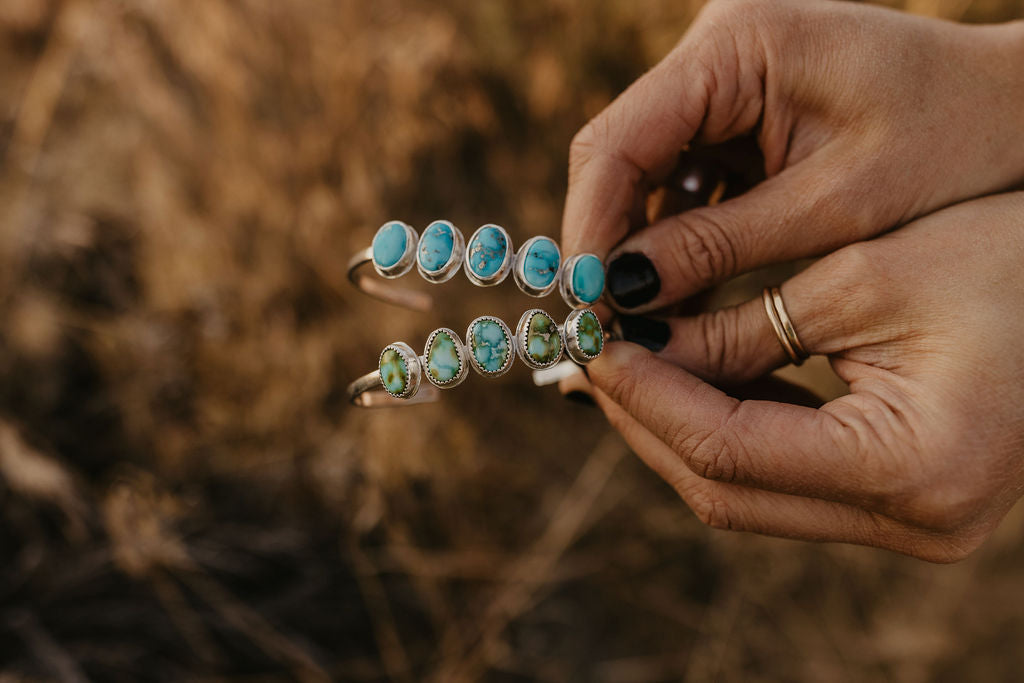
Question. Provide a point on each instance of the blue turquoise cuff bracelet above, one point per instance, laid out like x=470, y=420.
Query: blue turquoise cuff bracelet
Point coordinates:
x=490, y=349
x=487, y=258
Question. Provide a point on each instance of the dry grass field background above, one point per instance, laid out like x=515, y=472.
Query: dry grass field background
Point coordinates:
x=185, y=492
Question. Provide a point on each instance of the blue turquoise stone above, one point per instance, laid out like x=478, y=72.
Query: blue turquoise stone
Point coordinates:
x=487, y=251
x=389, y=244
x=443, y=362
x=489, y=345
x=541, y=263
x=543, y=343
x=588, y=279
x=436, y=245
x=589, y=334
x=394, y=373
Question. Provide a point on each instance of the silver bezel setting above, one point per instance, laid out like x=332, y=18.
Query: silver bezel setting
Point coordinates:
x=412, y=366
x=522, y=332
x=570, y=336
x=460, y=350
x=508, y=338
x=448, y=270
x=519, y=272
x=404, y=264
x=565, y=284
x=506, y=265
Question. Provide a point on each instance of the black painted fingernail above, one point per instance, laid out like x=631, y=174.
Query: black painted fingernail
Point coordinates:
x=647, y=332
x=581, y=397
x=632, y=280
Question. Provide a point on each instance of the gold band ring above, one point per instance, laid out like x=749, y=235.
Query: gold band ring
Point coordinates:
x=783, y=325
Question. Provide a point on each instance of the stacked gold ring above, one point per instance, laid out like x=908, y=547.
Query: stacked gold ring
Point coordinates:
x=783, y=325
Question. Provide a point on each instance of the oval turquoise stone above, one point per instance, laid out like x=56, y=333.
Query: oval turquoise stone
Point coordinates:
x=588, y=278
x=489, y=345
x=394, y=373
x=443, y=362
x=589, y=334
x=543, y=343
x=541, y=263
x=436, y=245
x=487, y=251
x=389, y=244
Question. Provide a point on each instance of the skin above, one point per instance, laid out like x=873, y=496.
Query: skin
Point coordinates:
x=871, y=122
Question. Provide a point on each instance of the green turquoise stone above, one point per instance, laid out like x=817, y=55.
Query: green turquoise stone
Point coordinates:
x=394, y=373
x=543, y=344
x=588, y=278
x=589, y=334
x=389, y=244
x=541, y=263
x=487, y=251
x=489, y=345
x=436, y=245
x=443, y=358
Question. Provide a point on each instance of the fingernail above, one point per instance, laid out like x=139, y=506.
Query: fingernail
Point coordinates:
x=647, y=332
x=632, y=280
x=581, y=397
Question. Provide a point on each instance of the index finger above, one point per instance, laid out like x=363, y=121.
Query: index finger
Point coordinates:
x=638, y=136
x=711, y=86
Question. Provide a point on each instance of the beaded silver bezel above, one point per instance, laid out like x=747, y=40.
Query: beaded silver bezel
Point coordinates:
x=412, y=366
x=460, y=351
x=522, y=341
x=570, y=336
x=506, y=265
x=451, y=266
x=565, y=284
x=404, y=264
x=510, y=340
x=519, y=272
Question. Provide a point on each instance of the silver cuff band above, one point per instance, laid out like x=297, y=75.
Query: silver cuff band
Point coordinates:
x=407, y=298
x=366, y=392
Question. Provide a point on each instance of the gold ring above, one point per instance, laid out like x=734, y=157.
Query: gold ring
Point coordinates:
x=783, y=325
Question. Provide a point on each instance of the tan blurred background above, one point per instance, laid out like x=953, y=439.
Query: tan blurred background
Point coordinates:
x=184, y=491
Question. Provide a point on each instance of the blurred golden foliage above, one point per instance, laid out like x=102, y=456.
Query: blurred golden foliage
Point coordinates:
x=184, y=492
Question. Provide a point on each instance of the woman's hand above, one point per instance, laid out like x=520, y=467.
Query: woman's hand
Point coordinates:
x=926, y=454
x=867, y=118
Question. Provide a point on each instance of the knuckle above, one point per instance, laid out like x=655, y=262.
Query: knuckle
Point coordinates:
x=948, y=507
x=713, y=511
x=584, y=146
x=750, y=19
x=740, y=10
x=621, y=388
x=858, y=263
x=860, y=276
x=624, y=389
x=709, y=454
x=704, y=250
x=721, y=336
x=597, y=142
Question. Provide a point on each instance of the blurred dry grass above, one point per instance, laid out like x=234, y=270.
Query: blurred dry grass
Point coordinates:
x=184, y=492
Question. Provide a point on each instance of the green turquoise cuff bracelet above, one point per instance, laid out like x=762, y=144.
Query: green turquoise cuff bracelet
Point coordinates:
x=490, y=349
